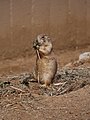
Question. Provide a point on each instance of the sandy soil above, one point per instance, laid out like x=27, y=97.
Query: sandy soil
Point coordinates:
x=72, y=106
x=31, y=105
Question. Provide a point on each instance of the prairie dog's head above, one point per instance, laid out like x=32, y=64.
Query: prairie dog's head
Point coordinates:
x=42, y=41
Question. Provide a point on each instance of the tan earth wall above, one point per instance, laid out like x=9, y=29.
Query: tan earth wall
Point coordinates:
x=66, y=21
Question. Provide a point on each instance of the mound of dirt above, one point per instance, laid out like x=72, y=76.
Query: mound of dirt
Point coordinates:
x=21, y=99
x=67, y=99
x=65, y=81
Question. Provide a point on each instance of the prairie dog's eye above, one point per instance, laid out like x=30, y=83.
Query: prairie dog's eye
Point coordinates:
x=36, y=41
x=43, y=39
x=42, y=36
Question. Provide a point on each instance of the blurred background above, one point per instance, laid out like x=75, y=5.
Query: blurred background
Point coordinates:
x=66, y=21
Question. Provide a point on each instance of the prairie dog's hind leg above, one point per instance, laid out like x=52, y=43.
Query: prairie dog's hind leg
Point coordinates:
x=34, y=76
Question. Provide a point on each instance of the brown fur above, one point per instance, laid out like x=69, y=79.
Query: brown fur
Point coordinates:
x=46, y=65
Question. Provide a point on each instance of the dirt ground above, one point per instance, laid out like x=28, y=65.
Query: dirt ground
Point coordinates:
x=32, y=103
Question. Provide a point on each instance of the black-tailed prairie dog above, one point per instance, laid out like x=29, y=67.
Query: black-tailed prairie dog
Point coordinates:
x=46, y=65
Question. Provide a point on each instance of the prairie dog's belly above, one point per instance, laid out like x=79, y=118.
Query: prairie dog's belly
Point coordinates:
x=47, y=68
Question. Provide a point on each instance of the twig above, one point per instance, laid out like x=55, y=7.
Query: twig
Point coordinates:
x=57, y=84
x=38, y=54
x=17, y=88
x=62, y=86
x=64, y=91
x=38, y=58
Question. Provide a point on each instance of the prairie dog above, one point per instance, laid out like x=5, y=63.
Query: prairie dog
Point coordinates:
x=46, y=65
